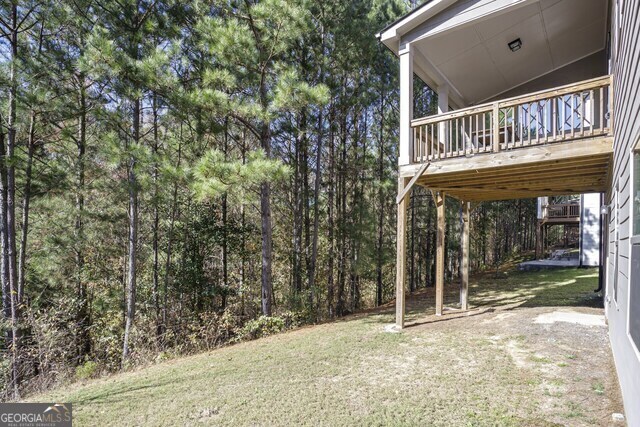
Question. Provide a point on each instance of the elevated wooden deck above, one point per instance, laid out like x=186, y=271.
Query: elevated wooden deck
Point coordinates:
x=554, y=142
x=561, y=213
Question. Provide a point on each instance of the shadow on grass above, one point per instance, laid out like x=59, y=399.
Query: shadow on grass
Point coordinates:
x=567, y=287
x=449, y=316
x=121, y=393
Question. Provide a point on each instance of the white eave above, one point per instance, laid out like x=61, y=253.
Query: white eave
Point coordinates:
x=391, y=35
x=463, y=44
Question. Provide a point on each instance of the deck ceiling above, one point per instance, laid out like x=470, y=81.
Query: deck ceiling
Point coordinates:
x=560, y=169
x=476, y=62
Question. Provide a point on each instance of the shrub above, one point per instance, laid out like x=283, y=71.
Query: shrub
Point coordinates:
x=261, y=327
x=87, y=370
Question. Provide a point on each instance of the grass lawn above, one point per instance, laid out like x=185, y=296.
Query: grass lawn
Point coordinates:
x=494, y=365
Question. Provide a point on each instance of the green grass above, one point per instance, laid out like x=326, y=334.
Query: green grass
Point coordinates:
x=350, y=372
x=598, y=387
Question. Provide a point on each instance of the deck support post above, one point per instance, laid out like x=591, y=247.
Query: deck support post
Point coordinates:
x=539, y=240
x=401, y=254
x=405, y=154
x=439, y=198
x=464, y=276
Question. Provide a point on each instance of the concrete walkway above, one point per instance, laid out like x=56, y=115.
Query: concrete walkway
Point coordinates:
x=545, y=264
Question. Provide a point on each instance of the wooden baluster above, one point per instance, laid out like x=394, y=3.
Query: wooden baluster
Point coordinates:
x=529, y=115
x=416, y=144
x=460, y=133
x=495, y=131
x=430, y=142
x=574, y=106
x=463, y=141
x=421, y=144
x=415, y=139
x=582, y=113
x=601, y=108
x=423, y=132
x=450, y=132
x=427, y=141
x=539, y=116
x=513, y=126
x=437, y=141
x=563, y=115
x=547, y=113
x=520, y=125
x=505, y=115
x=425, y=151
x=484, y=132
x=477, y=141
x=592, y=114
x=469, y=137
x=554, y=117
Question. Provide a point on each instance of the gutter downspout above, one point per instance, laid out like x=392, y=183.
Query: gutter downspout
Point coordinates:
x=601, y=248
x=581, y=231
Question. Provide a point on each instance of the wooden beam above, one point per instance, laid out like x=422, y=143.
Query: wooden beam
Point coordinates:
x=402, y=194
x=509, y=175
x=513, y=195
x=556, y=164
x=439, y=199
x=563, y=152
x=464, y=276
x=401, y=264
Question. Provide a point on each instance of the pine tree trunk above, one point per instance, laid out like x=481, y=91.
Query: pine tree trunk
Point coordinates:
x=313, y=262
x=156, y=225
x=342, y=215
x=133, y=237
x=82, y=316
x=331, y=224
x=225, y=243
x=381, y=201
x=172, y=221
x=297, y=220
x=10, y=211
x=305, y=197
x=4, y=259
x=265, y=213
x=26, y=200
x=311, y=273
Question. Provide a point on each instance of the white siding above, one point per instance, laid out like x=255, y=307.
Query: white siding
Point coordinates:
x=590, y=230
x=626, y=65
x=541, y=202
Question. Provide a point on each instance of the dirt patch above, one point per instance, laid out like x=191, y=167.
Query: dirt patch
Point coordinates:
x=562, y=352
x=571, y=317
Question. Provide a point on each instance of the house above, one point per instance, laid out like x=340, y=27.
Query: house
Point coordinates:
x=576, y=220
x=536, y=98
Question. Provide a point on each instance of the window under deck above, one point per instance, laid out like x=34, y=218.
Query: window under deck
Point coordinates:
x=553, y=142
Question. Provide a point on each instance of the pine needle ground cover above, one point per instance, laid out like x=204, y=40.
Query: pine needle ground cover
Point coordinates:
x=495, y=365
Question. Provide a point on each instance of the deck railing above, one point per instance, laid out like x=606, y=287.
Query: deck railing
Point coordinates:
x=570, y=112
x=562, y=210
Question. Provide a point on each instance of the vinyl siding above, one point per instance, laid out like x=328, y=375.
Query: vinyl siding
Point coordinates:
x=625, y=65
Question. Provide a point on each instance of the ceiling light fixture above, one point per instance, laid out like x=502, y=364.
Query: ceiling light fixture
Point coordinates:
x=515, y=45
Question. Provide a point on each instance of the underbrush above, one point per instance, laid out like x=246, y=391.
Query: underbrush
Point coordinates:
x=54, y=361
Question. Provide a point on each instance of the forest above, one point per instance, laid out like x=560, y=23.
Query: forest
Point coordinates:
x=177, y=176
